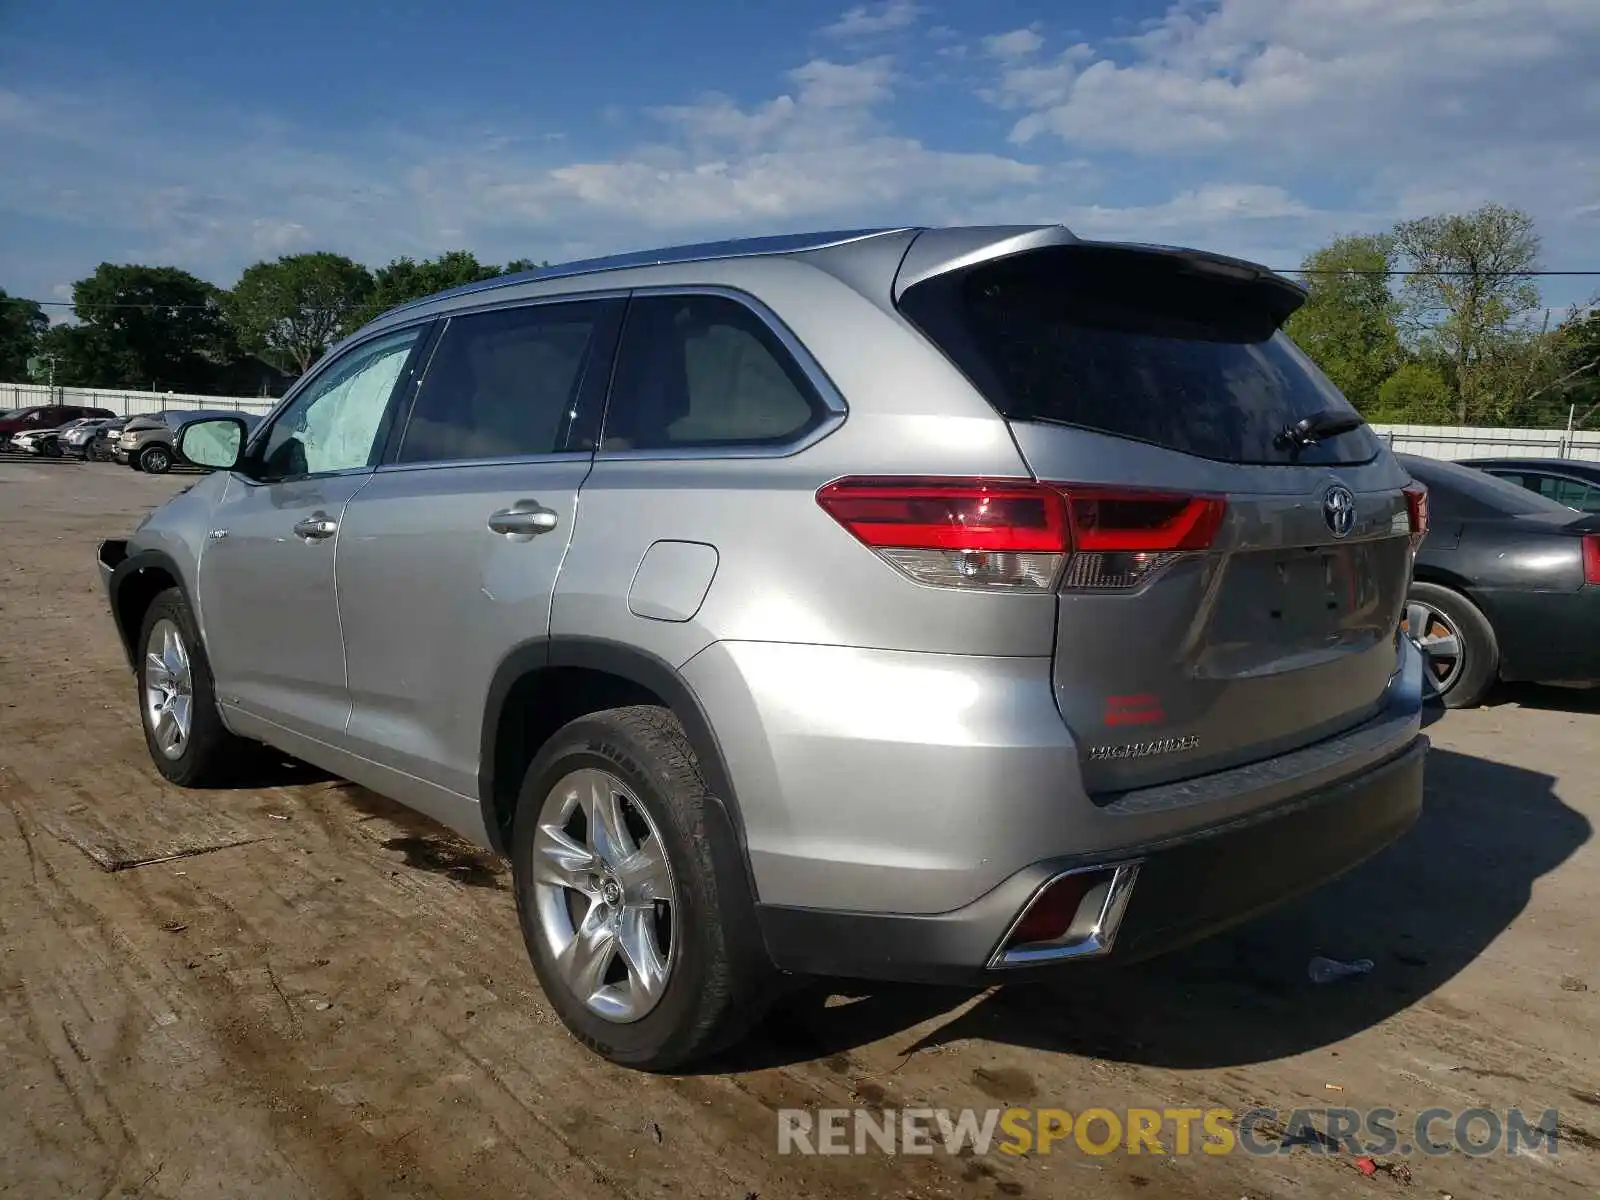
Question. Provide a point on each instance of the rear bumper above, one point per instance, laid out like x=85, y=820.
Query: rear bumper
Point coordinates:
x=1185, y=888
x=1546, y=637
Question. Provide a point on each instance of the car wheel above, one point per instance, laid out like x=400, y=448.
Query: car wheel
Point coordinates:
x=632, y=895
x=177, y=704
x=51, y=449
x=1461, y=658
x=157, y=460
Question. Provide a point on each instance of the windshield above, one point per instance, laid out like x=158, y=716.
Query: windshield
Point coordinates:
x=1139, y=345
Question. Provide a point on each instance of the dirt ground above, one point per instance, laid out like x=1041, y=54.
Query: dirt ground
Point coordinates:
x=326, y=997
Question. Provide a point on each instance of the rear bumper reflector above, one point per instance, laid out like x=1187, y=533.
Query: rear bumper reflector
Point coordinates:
x=1074, y=915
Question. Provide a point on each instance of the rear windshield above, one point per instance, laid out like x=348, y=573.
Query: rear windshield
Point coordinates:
x=1135, y=344
x=1458, y=493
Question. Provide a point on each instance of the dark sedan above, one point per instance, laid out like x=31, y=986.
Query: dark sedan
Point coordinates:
x=1507, y=585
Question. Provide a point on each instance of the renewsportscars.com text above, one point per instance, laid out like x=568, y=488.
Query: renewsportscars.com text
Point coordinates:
x=1215, y=1131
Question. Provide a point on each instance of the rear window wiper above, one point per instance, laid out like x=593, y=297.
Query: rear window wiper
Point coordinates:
x=1308, y=431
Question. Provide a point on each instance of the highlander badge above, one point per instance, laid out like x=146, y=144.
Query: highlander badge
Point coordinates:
x=1171, y=745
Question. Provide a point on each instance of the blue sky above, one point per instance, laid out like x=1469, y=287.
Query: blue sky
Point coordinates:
x=211, y=135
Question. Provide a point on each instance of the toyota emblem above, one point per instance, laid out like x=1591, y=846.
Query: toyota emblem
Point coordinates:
x=1339, y=510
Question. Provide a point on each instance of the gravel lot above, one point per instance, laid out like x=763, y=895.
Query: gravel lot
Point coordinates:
x=337, y=1002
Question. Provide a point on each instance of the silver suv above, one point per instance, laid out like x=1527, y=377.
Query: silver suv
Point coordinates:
x=941, y=605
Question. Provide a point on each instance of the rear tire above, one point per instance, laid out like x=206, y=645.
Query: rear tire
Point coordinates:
x=716, y=979
x=1440, y=620
x=155, y=460
x=171, y=662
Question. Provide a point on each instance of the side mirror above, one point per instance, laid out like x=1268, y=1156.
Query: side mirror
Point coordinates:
x=216, y=443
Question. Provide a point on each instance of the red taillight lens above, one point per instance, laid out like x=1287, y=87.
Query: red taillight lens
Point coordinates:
x=977, y=534
x=1591, y=558
x=1016, y=534
x=1417, y=512
x=1123, y=536
x=943, y=514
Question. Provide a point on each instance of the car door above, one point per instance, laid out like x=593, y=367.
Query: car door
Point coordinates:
x=266, y=582
x=448, y=558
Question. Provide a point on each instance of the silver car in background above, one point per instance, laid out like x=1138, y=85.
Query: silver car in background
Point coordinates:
x=945, y=605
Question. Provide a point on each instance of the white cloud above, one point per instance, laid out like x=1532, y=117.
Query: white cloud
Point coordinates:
x=215, y=193
x=1039, y=85
x=1019, y=43
x=869, y=20
x=1310, y=76
x=835, y=85
x=1395, y=107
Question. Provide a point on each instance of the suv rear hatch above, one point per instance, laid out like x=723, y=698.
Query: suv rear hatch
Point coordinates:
x=1222, y=603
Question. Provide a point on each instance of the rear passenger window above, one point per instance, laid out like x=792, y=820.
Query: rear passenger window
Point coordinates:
x=704, y=372
x=504, y=383
x=1569, y=492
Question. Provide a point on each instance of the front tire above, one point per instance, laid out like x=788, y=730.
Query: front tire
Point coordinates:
x=631, y=893
x=155, y=460
x=183, y=728
x=1461, y=658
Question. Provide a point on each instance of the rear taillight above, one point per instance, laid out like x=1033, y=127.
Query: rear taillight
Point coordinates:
x=987, y=534
x=1591, y=558
x=1417, y=513
x=1017, y=535
x=1122, y=536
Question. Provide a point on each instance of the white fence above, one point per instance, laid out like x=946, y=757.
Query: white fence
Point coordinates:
x=1435, y=441
x=26, y=395
x=1468, y=441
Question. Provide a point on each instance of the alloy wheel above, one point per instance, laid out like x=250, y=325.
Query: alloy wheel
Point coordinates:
x=605, y=895
x=1436, y=636
x=168, y=689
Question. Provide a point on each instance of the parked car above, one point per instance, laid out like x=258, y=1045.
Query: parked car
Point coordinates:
x=942, y=605
x=146, y=441
x=46, y=416
x=103, y=446
x=44, y=442
x=77, y=442
x=1507, y=585
x=1572, y=482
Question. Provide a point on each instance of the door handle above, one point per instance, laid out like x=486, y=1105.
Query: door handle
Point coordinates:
x=525, y=519
x=315, y=528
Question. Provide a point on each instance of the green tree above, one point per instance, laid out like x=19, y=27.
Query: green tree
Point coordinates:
x=22, y=324
x=1578, y=383
x=1416, y=394
x=290, y=311
x=517, y=265
x=1347, y=324
x=143, y=327
x=1469, y=294
x=405, y=279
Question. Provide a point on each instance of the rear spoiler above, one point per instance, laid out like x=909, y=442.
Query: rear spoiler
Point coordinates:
x=937, y=252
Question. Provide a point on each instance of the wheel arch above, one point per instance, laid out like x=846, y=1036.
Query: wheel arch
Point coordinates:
x=1444, y=577
x=135, y=583
x=545, y=682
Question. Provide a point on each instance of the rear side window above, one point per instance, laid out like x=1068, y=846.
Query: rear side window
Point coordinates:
x=1570, y=493
x=1463, y=493
x=506, y=383
x=1136, y=344
x=704, y=372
